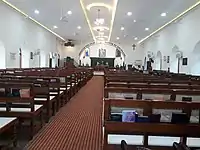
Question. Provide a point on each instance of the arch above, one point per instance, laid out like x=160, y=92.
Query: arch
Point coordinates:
x=197, y=48
x=25, y=58
x=92, y=50
x=175, y=49
x=109, y=43
x=195, y=61
x=2, y=56
x=158, y=61
x=174, y=59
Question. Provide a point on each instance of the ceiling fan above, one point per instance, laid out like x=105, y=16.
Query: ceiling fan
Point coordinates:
x=63, y=17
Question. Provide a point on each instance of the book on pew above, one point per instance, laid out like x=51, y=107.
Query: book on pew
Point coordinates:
x=128, y=96
x=187, y=99
x=129, y=116
x=143, y=119
x=15, y=92
x=180, y=118
x=154, y=118
x=116, y=117
x=24, y=93
x=2, y=92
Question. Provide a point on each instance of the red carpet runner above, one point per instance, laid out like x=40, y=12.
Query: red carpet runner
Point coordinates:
x=78, y=125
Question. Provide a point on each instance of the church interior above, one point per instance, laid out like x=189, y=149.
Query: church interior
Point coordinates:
x=99, y=75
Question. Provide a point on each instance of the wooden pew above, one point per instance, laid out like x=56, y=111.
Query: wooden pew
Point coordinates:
x=139, y=92
x=54, y=82
x=43, y=94
x=73, y=79
x=149, y=129
x=149, y=81
x=21, y=107
x=70, y=74
x=8, y=128
x=146, y=85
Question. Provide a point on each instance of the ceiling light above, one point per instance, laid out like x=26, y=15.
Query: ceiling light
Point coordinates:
x=99, y=21
x=79, y=27
x=69, y=12
x=36, y=11
x=55, y=27
x=100, y=28
x=125, y=36
x=147, y=29
x=122, y=28
x=135, y=38
x=164, y=14
x=98, y=5
x=101, y=37
x=134, y=21
x=129, y=13
x=117, y=38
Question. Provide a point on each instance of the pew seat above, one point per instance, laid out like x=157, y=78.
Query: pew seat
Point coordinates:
x=63, y=89
x=44, y=99
x=54, y=93
x=36, y=107
x=7, y=124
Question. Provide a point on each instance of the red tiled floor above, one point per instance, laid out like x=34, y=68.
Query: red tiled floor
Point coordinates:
x=78, y=125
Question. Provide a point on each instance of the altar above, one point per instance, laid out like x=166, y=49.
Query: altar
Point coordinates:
x=106, y=62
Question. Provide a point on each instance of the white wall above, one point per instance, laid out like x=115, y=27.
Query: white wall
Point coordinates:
x=182, y=36
x=18, y=32
x=2, y=56
x=131, y=55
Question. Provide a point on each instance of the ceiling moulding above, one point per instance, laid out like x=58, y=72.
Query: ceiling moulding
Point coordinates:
x=113, y=18
x=167, y=24
x=99, y=5
x=101, y=36
x=100, y=28
x=87, y=19
x=35, y=21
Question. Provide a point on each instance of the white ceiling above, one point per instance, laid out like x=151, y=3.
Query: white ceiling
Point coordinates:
x=145, y=12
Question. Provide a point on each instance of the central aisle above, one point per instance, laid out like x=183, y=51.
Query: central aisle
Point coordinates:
x=78, y=125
